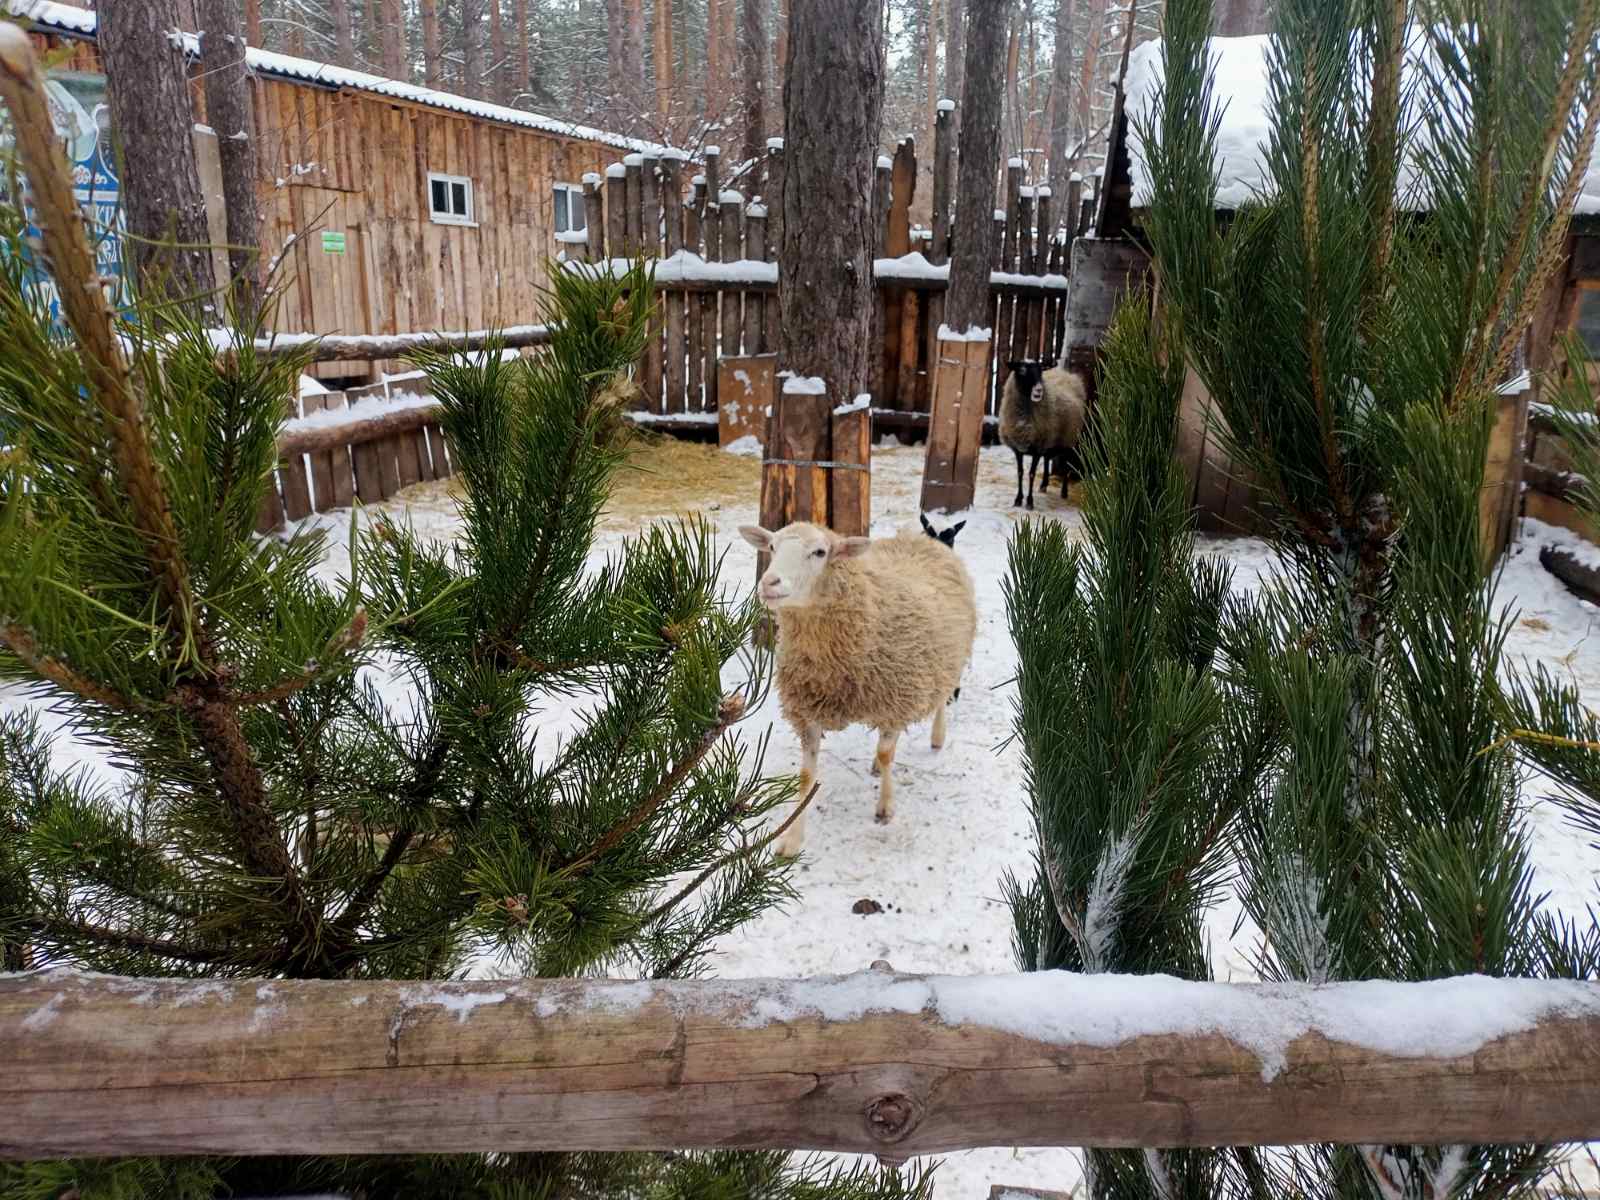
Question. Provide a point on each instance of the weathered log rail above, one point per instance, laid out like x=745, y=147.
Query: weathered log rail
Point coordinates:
x=881, y=1063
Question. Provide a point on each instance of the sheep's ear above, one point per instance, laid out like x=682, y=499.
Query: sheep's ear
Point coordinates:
x=955, y=529
x=850, y=547
x=756, y=536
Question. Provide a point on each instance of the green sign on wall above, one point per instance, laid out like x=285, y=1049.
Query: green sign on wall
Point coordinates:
x=333, y=243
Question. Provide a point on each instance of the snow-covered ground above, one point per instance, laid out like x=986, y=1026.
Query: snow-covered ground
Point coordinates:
x=961, y=820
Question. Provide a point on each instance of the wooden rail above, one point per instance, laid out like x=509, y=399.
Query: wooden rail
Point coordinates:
x=878, y=1062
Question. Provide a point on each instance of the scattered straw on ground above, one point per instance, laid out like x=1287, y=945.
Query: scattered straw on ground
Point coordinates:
x=663, y=477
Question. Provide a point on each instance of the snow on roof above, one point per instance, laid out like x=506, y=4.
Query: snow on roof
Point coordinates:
x=67, y=19
x=1243, y=95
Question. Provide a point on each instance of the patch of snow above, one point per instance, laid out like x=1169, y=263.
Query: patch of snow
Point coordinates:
x=361, y=410
x=999, y=214
x=775, y=143
x=713, y=151
x=1558, y=537
x=1013, y=162
x=1043, y=190
x=802, y=385
x=885, y=163
x=311, y=386
x=573, y=237
x=975, y=333
x=1516, y=386
x=730, y=196
x=947, y=105
x=864, y=400
x=756, y=212
x=591, y=177
x=686, y=418
x=44, y=1015
x=633, y=160
x=454, y=999
x=616, y=171
x=688, y=267
x=1075, y=177
x=749, y=446
x=698, y=181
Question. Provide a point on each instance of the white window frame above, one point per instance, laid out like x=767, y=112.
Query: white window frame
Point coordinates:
x=575, y=204
x=470, y=220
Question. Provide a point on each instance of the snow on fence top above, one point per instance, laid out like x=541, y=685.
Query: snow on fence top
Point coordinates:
x=66, y=19
x=688, y=267
x=1242, y=94
x=947, y=105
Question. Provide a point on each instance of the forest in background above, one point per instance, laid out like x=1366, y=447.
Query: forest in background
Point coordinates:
x=693, y=73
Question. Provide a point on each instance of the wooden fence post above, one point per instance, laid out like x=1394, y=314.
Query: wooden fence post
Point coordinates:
x=650, y=247
x=711, y=231
x=772, y=321
x=755, y=250
x=943, y=166
x=594, y=220
x=955, y=429
x=730, y=216
x=616, y=206
x=633, y=176
x=675, y=304
x=881, y=370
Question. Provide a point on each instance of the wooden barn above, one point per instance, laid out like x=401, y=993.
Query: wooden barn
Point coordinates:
x=392, y=208
x=1225, y=501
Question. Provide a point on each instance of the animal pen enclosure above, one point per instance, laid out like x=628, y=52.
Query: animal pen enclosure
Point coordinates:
x=711, y=358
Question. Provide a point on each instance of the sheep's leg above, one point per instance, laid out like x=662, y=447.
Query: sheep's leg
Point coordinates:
x=1033, y=470
x=1018, y=501
x=794, y=837
x=887, y=738
x=937, y=741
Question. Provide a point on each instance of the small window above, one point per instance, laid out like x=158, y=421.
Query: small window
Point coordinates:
x=449, y=199
x=1587, y=322
x=570, y=216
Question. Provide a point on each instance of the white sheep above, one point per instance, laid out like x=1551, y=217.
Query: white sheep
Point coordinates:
x=1042, y=413
x=872, y=633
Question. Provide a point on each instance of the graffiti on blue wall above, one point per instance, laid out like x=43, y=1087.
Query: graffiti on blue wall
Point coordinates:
x=82, y=118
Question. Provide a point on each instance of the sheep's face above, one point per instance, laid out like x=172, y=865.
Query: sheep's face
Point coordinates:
x=800, y=554
x=1029, y=378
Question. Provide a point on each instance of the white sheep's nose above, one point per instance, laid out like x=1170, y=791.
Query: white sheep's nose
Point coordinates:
x=772, y=586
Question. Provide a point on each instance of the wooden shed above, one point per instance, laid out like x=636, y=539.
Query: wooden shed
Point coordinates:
x=391, y=207
x=1226, y=501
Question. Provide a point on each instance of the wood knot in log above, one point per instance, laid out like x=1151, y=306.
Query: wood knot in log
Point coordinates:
x=891, y=1118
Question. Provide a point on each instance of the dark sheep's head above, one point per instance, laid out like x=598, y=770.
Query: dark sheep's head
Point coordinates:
x=947, y=536
x=1029, y=376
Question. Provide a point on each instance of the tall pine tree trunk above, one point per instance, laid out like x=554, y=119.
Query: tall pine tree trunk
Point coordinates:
x=498, y=66
x=633, y=72
x=430, y=43
x=955, y=56
x=252, y=21
x=833, y=112
x=1088, y=68
x=344, y=34
x=716, y=60
x=780, y=55
x=753, y=50
x=150, y=110
x=1061, y=103
x=930, y=75
x=394, y=41
x=967, y=302
x=228, y=110
x=663, y=61
x=524, y=57
x=471, y=58
x=1238, y=18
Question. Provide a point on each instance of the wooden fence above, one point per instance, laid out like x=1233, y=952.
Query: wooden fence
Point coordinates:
x=882, y=1063
x=717, y=325
x=717, y=272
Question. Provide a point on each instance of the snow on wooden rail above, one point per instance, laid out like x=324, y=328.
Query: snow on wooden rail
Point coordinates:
x=360, y=346
x=876, y=1062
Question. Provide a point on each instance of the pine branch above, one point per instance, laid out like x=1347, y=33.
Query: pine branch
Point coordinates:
x=89, y=314
x=728, y=860
x=346, y=640
x=728, y=714
x=22, y=644
x=1579, y=65
x=122, y=939
x=1383, y=138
